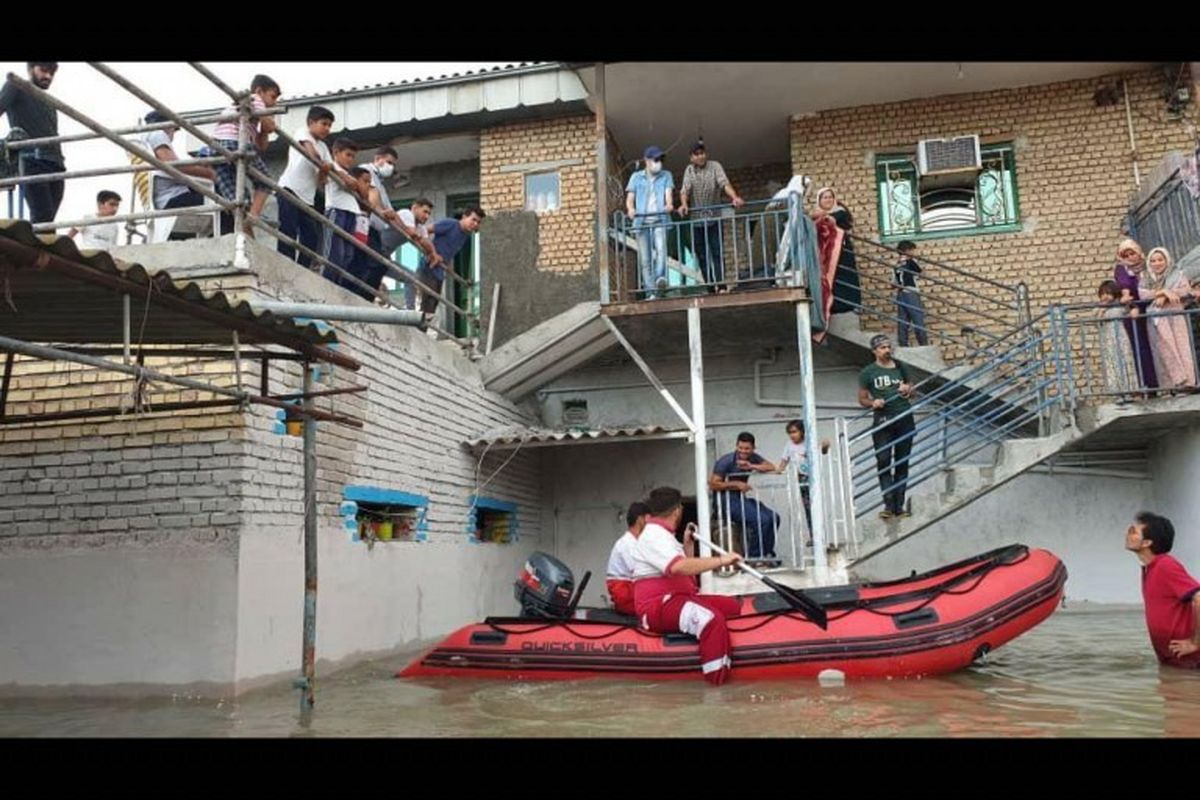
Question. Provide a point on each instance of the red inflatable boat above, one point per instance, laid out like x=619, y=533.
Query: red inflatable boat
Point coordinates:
x=927, y=624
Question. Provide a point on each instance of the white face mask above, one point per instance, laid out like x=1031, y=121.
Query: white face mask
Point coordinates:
x=386, y=170
x=654, y=167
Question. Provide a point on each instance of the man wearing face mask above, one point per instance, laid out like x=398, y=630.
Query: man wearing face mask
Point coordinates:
x=37, y=120
x=382, y=167
x=648, y=202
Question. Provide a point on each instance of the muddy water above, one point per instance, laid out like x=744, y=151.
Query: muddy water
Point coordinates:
x=1081, y=673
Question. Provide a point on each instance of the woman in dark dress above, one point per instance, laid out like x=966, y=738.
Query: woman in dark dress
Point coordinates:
x=847, y=294
x=1127, y=273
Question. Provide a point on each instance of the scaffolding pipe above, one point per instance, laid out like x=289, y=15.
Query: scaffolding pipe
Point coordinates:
x=220, y=84
x=127, y=327
x=700, y=440
x=309, y=649
x=27, y=180
x=146, y=128
x=88, y=122
x=45, y=227
x=321, y=311
x=144, y=374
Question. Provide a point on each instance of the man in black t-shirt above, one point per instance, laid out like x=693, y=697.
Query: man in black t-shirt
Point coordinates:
x=884, y=386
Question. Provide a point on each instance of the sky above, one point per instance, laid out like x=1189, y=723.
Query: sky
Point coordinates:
x=182, y=88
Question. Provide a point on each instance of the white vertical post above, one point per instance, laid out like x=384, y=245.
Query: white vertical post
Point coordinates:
x=700, y=438
x=812, y=439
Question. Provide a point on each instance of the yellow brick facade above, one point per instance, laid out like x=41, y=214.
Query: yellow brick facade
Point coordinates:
x=566, y=235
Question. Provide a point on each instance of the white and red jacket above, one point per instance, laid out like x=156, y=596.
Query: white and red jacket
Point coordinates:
x=668, y=603
x=620, y=573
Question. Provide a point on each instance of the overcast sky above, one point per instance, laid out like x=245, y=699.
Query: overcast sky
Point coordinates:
x=182, y=88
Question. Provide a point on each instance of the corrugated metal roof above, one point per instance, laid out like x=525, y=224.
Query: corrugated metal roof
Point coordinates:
x=510, y=438
x=80, y=301
x=431, y=80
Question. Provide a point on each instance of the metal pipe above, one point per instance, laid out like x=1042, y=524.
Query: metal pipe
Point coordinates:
x=45, y=227
x=126, y=329
x=492, y=317
x=700, y=441
x=239, y=192
x=4, y=382
x=650, y=376
x=321, y=311
x=99, y=171
x=118, y=411
x=786, y=373
x=1137, y=173
x=601, y=111
x=309, y=649
x=812, y=442
x=145, y=374
x=146, y=128
x=88, y=122
x=220, y=84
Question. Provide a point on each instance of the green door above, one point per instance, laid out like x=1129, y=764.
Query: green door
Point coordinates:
x=464, y=266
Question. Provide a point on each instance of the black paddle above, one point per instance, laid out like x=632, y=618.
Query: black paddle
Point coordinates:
x=794, y=597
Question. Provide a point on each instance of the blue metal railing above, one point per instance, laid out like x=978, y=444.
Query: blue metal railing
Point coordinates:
x=1126, y=357
x=963, y=312
x=1022, y=377
x=762, y=244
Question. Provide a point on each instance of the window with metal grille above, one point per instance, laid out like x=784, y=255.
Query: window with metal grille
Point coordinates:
x=911, y=205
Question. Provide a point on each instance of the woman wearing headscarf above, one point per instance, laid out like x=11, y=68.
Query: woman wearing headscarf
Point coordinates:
x=847, y=294
x=1131, y=263
x=1166, y=287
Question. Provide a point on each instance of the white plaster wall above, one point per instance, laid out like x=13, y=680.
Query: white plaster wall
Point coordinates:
x=1175, y=467
x=1079, y=518
x=128, y=616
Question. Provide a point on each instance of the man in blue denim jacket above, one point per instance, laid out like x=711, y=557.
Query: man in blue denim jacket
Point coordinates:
x=648, y=202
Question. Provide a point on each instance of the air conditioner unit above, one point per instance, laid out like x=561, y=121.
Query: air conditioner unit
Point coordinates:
x=941, y=156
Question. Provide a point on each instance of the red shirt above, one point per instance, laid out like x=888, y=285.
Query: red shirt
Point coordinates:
x=1167, y=590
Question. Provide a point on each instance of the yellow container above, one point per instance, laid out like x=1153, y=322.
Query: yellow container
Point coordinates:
x=295, y=427
x=385, y=530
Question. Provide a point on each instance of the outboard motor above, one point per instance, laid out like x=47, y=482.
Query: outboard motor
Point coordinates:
x=544, y=587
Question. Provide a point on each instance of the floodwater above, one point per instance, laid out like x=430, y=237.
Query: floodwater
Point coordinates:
x=1080, y=673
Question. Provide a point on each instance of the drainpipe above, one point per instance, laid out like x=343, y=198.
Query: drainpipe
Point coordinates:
x=1137, y=175
x=758, y=393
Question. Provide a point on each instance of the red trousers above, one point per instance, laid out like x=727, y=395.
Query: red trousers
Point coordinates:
x=702, y=616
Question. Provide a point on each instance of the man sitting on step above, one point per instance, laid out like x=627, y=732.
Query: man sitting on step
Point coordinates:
x=730, y=481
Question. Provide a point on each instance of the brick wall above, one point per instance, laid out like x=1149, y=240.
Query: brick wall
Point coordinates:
x=1074, y=173
x=566, y=235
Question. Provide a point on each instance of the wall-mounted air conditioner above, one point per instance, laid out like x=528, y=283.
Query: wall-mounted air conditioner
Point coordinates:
x=940, y=156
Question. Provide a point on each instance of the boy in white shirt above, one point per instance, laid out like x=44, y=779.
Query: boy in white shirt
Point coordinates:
x=301, y=180
x=103, y=236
